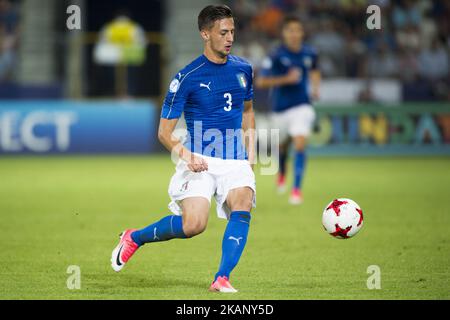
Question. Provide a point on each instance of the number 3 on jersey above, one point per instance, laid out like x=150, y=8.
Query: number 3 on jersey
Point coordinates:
x=229, y=101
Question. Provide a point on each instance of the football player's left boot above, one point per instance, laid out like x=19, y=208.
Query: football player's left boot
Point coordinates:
x=281, y=184
x=296, y=197
x=124, y=250
x=222, y=284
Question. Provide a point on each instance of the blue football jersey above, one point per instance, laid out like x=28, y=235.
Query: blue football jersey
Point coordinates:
x=212, y=98
x=278, y=64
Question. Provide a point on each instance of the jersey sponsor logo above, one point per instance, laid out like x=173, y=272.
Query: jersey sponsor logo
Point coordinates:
x=174, y=85
x=242, y=80
x=202, y=85
x=235, y=239
x=155, y=237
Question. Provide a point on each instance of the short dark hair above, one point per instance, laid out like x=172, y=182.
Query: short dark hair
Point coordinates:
x=290, y=18
x=211, y=14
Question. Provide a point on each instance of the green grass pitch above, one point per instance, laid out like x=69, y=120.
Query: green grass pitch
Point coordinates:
x=62, y=211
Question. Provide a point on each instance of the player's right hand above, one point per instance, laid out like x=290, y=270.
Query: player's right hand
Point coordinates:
x=293, y=76
x=196, y=164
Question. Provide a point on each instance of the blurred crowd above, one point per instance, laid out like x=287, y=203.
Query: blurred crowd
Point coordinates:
x=412, y=44
x=9, y=32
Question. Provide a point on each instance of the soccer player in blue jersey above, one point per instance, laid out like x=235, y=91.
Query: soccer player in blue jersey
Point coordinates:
x=215, y=93
x=288, y=72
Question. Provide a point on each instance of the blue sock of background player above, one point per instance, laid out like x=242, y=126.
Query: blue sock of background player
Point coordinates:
x=233, y=243
x=299, y=167
x=170, y=227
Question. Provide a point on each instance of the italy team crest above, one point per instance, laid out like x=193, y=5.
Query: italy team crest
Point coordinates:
x=242, y=80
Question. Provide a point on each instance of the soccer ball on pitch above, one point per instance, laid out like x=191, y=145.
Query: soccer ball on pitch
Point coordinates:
x=342, y=218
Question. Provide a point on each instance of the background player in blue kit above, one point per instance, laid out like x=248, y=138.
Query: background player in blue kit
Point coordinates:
x=215, y=93
x=288, y=72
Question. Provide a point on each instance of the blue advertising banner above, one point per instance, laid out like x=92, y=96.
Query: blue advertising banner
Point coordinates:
x=64, y=127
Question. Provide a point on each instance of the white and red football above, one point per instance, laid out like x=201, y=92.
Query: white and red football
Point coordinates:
x=342, y=218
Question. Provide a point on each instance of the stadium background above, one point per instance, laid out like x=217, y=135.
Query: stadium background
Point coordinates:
x=79, y=154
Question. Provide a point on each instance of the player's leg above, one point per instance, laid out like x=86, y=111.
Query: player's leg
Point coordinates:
x=299, y=162
x=281, y=122
x=190, y=193
x=283, y=157
x=169, y=227
x=240, y=201
x=302, y=121
x=195, y=215
x=192, y=222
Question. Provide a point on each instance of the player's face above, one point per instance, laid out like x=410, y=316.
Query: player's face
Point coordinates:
x=220, y=37
x=293, y=34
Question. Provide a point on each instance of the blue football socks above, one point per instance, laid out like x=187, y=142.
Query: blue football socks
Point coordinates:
x=299, y=167
x=170, y=227
x=233, y=243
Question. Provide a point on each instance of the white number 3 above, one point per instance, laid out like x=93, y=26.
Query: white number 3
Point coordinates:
x=229, y=101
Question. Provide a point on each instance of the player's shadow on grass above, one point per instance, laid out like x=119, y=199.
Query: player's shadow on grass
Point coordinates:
x=142, y=282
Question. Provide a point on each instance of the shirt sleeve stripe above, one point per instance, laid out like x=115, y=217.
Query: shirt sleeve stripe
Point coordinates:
x=187, y=74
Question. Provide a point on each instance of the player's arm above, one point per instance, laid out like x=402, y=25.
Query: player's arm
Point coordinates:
x=174, y=145
x=248, y=125
x=172, y=110
x=268, y=77
x=316, y=78
x=267, y=82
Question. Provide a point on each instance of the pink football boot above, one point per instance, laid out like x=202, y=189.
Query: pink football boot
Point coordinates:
x=124, y=250
x=222, y=285
x=296, y=197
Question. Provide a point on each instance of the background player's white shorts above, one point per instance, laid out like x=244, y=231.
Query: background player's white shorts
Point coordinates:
x=295, y=121
x=221, y=177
